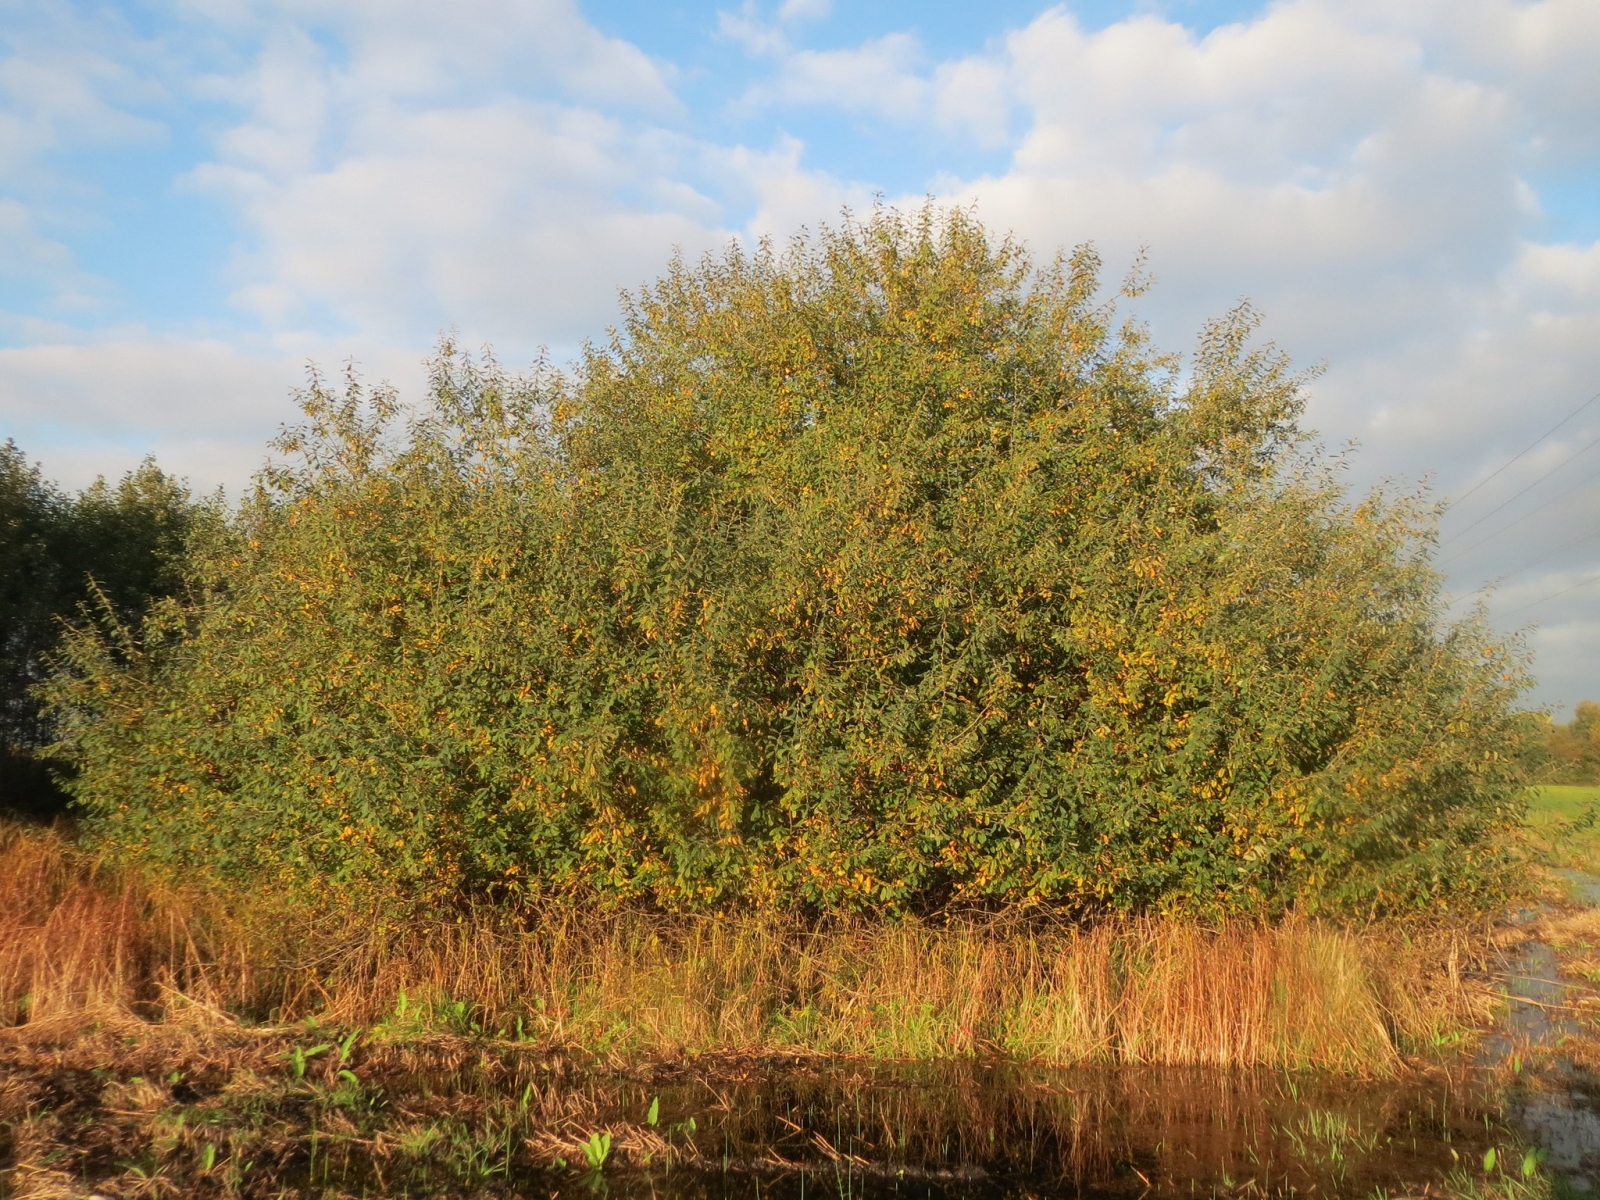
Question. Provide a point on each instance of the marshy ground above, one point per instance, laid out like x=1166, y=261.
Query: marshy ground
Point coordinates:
x=456, y=1118
x=155, y=1049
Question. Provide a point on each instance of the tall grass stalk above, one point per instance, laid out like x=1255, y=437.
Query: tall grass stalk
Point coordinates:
x=76, y=939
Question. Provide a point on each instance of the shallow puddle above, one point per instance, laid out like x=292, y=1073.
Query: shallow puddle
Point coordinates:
x=966, y=1129
x=981, y=1131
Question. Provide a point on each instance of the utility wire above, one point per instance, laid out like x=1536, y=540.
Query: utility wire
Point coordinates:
x=1528, y=566
x=1532, y=512
x=1516, y=458
x=1525, y=451
x=1553, y=595
x=1549, y=554
x=1584, y=450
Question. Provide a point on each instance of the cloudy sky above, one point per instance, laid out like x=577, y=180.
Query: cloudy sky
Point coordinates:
x=197, y=197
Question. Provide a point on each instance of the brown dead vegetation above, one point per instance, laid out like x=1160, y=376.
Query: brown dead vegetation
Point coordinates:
x=148, y=1036
x=78, y=939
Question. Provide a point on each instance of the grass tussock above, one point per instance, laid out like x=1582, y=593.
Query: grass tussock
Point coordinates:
x=77, y=938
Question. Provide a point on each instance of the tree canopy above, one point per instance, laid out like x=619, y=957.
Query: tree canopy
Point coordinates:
x=111, y=548
x=885, y=569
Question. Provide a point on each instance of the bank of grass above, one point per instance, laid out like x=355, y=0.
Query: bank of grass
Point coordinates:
x=77, y=938
x=1564, y=820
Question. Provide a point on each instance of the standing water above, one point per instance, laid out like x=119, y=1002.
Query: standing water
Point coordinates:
x=842, y=1131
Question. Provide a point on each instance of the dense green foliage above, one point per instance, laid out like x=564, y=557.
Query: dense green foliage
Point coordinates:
x=109, y=548
x=886, y=571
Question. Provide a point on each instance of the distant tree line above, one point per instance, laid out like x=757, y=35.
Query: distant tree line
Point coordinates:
x=1566, y=752
x=100, y=554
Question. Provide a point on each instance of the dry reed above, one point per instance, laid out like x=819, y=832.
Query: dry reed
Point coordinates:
x=76, y=938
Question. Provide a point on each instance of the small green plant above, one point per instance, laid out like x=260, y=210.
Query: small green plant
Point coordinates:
x=1532, y=1161
x=346, y=1044
x=1331, y=1138
x=654, y=1115
x=597, y=1149
x=348, y=1092
x=208, y=1157
x=419, y=1141
x=1465, y=1185
x=457, y=1016
x=407, y=1019
x=481, y=1153
x=299, y=1056
x=150, y=1177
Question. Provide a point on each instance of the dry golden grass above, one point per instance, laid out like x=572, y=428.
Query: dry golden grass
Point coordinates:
x=76, y=938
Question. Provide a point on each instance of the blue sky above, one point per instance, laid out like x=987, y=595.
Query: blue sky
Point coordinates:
x=197, y=197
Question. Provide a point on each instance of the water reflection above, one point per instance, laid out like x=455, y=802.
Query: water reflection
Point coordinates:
x=978, y=1130
x=1567, y=1126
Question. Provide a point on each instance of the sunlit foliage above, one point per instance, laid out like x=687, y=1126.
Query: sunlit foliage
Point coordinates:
x=881, y=571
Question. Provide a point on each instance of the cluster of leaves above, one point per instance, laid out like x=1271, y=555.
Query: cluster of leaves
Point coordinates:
x=882, y=571
x=109, y=548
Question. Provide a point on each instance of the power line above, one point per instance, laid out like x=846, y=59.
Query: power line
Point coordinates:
x=1570, y=542
x=1528, y=566
x=1584, y=583
x=1462, y=498
x=1462, y=532
x=1516, y=458
x=1532, y=512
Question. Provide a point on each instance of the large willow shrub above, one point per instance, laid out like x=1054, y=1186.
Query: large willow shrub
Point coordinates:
x=885, y=571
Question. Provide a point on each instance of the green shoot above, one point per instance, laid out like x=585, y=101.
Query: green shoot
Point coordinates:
x=597, y=1149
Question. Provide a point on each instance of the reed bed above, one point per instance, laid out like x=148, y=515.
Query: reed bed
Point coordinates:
x=77, y=938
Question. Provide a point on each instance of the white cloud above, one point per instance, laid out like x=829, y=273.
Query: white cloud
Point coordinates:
x=973, y=96
x=805, y=10
x=135, y=382
x=52, y=93
x=747, y=28
x=512, y=219
x=205, y=408
x=26, y=254
x=1557, y=276
x=1321, y=163
x=786, y=195
x=451, y=167
x=877, y=78
x=885, y=78
x=418, y=49
x=64, y=83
